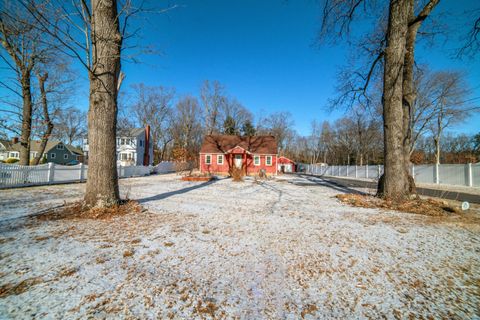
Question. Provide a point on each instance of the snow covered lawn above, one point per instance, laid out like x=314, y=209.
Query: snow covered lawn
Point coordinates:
x=225, y=250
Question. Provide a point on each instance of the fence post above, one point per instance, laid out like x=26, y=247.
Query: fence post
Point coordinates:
x=437, y=173
x=51, y=172
x=469, y=175
x=366, y=171
x=81, y=172
x=356, y=175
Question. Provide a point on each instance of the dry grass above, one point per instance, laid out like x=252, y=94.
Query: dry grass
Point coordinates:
x=77, y=210
x=429, y=207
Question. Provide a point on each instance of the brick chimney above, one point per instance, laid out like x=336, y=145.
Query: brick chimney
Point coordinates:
x=146, y=155
x=14, y=140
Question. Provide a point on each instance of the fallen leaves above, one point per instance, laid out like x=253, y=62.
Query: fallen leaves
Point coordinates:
x=18, y=288
x=77, y=210
x=429, y=207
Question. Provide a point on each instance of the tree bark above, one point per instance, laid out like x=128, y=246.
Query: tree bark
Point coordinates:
x=409, y=93
x=102, y=183
x=48, y=122
x=395, y=184
x=26, y=118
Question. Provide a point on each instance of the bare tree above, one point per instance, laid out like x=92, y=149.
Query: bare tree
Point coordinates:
x=42, y=78
x=395, y=51
x=280, y=125
x=70, y=125
x=449, y=105
x=213, y=100
x=153, y=106
x=187, y=128
x=22, y=51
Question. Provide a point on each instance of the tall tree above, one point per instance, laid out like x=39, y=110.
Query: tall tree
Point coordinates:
x=106, y=42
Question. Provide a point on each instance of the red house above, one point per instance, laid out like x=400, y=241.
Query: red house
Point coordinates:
x=285, y=165
x=220, y=153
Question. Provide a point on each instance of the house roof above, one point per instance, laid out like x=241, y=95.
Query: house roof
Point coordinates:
x=254, y=144
x=283, y=157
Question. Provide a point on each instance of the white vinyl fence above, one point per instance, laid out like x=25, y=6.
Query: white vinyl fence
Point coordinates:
x=450, y=174
x=12, y=175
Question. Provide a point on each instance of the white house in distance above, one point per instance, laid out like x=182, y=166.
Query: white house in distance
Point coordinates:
x=134, y=147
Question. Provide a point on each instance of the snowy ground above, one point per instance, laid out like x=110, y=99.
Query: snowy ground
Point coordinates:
x=221, y=249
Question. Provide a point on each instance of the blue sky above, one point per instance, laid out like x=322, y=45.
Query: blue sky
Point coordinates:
x=264, y=53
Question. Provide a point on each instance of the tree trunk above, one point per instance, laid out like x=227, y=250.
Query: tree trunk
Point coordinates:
x=26, y=119
x=395, y=184
x=48, y=122
x=102, y=182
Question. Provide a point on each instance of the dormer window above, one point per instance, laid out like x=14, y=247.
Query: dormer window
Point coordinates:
x=60, y=147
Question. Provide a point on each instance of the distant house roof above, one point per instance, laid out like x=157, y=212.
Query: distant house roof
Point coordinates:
x=35, y=146
x=224, y=143
x=6, y=143
x=130, y=132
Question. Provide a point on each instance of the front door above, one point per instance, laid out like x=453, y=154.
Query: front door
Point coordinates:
x=238, y=160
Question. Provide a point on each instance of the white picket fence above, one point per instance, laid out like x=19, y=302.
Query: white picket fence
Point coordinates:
x=449, y=174
x=12, y=175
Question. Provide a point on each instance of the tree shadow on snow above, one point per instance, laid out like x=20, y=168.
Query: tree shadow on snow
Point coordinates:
x=330, y=184
x=165, y=195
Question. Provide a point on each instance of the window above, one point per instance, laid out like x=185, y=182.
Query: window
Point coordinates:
x=220, y=159
x=52, y=155
x=14, y=154
x=268, y=160
x=208, y=159
x=65, y=156
x=60, y=146
x=126, y=156
x=141, y=143
x=256, y=160
x=122, y=141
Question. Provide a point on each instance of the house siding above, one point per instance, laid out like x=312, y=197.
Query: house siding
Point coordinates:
x=251, y=169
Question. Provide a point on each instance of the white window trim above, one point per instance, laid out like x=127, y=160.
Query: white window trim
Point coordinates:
x=52, y=155
x=208, y=156
x=259, y=160
x=220, y=156
x=266, y=161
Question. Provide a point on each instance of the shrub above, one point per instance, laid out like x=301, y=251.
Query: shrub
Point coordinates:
x=237, y=174
x=11, y=160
